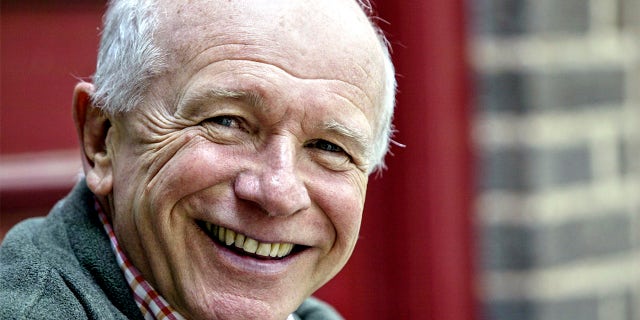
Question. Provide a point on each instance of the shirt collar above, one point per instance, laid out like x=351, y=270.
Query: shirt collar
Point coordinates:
x=149, y=301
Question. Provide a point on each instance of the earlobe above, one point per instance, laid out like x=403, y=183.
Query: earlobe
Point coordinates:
x=92, y=126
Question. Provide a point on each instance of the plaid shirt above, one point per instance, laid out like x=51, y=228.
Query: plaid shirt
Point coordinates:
x=151, y=304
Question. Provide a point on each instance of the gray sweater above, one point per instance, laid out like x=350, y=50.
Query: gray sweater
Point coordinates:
x=62, y=267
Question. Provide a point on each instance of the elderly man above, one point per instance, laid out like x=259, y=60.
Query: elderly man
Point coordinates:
x=226, y=149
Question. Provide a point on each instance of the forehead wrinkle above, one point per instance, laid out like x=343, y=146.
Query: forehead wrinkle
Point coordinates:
x=250, y=52
x=244, y=53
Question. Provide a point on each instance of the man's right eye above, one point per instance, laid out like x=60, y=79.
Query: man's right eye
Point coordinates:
x=226, y=121
x=226, y=124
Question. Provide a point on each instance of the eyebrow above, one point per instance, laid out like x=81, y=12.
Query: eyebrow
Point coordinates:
x=215, y=94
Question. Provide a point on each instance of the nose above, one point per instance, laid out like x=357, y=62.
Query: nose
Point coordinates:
x=272, y=181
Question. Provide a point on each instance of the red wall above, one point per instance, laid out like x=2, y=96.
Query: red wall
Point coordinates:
x=45, y=47
x=414, y=257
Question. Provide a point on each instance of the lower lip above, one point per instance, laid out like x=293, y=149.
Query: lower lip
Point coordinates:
x=250, y=265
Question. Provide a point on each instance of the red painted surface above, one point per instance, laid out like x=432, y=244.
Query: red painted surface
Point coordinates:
x=414, y=260
x=414, y=256
x=45, y=47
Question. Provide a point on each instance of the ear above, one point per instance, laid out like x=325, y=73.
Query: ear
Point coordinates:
x=92, y=126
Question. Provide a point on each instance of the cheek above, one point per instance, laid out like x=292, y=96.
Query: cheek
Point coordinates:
x=147, y=196
x=150, y=184
x=343, y=201
x=189, y=170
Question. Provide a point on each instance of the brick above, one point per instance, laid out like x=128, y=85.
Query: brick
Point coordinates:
x=553, y=16
x=507, y=247
x=550, y=90
x=617, y=305
x=500, y=17
x=588, y=238
x=572, y=308
x=525, y=169
x=624, y=166
x=577, y=89
x=632, y=303
x=507, y=18
x=525, y=247
x=628, y=17
x=509, y=310
x=503, y=169
x=636, y=238
x=583, y=308
x=503, y=91
x=560, y=166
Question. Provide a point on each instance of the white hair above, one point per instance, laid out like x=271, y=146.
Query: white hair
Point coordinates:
x=384, y=126
x=128, y=60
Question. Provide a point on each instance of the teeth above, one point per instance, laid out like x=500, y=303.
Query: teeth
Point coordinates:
x=221, y=234
x=250, y=245
x=230, y=237
x=264, y=249
x=285, y=249
x=240, y=240
x=275, y=247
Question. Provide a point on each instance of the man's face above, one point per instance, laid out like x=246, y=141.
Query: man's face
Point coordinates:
x=239, y=184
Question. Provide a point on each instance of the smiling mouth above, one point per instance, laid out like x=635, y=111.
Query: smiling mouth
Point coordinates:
x=242, y=244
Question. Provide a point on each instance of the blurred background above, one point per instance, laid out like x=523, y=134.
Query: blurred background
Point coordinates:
x=556, y=128
x=517, y=196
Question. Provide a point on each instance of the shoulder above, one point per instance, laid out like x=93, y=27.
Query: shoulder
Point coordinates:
x=46, y=265
x=34, y=246
x=47, y=242
x=315, y=309
x=37, y=293
x=30, y=281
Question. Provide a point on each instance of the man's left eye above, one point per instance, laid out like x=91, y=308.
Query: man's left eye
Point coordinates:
x=325, y=146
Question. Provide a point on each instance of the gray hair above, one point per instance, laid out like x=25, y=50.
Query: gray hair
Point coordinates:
x=128, y=60
x=384, y=126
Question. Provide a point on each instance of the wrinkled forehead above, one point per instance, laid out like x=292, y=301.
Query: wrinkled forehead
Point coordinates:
x=328, y=39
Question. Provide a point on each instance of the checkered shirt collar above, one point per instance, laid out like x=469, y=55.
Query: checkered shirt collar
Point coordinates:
x=150, y=303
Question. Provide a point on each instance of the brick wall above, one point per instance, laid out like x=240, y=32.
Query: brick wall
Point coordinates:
x=557, y=126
